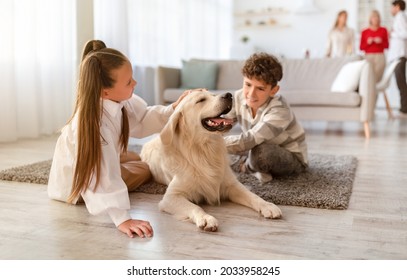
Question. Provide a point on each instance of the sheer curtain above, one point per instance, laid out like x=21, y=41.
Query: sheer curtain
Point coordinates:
x=162, y=32
x=37, y=66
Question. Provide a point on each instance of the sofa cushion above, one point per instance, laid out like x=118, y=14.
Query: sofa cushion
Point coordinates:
x=230, y=74
x=348, y=77
x=199, y=74
x=171, y=94
x=312, y=74
x=321, y=98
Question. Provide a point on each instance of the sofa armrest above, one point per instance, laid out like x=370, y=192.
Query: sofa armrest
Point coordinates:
x=367, y=91
x=166, y=77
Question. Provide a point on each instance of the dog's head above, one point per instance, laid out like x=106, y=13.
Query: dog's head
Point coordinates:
x=199, y=113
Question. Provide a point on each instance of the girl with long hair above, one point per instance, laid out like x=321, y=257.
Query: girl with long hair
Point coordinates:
x=91, y=162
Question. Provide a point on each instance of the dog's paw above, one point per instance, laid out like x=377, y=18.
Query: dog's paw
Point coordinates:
x=270, y=211
x=207, y=223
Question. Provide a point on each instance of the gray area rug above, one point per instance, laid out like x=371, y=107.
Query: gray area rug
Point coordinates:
x=326, y=184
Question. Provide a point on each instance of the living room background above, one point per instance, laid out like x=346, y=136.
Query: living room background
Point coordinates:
x=41, y=41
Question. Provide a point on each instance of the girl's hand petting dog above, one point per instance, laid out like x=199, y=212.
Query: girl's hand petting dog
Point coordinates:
x=185, y=93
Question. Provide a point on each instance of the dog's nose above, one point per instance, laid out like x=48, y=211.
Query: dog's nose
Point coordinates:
x=227, y=95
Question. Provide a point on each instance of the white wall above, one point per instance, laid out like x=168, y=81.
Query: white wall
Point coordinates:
x=299, y=31
x=84, y=24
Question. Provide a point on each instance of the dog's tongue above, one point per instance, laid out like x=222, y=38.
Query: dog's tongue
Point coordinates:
x=219, y=121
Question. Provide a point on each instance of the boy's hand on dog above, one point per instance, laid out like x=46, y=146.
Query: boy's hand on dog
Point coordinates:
x=139, y=227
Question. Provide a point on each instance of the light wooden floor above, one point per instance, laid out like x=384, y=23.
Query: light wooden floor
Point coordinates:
x=374, y=227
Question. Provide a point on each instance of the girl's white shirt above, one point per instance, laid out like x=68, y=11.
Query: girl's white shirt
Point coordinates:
x=111, y=195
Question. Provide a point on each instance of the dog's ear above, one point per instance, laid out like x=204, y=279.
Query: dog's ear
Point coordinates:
x=171, y=128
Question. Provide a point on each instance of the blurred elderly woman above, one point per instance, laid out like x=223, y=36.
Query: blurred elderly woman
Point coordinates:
x=373, y=41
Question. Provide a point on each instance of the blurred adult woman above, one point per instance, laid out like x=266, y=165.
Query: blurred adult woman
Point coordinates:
x=341, y=38
x=374, y=40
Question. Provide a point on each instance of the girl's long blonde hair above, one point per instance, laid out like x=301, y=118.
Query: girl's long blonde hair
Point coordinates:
x=95, y=74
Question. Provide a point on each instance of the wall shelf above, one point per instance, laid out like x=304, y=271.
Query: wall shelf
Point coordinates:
x=260, y=27
x=265, y=18
x=272, y=12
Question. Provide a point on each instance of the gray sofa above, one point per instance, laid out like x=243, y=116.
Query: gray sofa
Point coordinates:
x=306, y=84
x=168, y=80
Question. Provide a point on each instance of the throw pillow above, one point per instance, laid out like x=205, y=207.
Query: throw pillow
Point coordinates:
x=348, y=77
x=199, y=74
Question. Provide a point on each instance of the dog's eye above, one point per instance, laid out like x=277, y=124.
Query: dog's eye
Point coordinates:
x=201, y=100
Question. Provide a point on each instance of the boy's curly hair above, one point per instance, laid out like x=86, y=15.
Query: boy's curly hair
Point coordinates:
x=263, y=67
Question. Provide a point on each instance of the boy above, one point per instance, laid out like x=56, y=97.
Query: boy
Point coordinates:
x=271, y=137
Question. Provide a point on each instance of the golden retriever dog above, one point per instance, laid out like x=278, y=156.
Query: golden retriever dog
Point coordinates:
x=190, y=157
